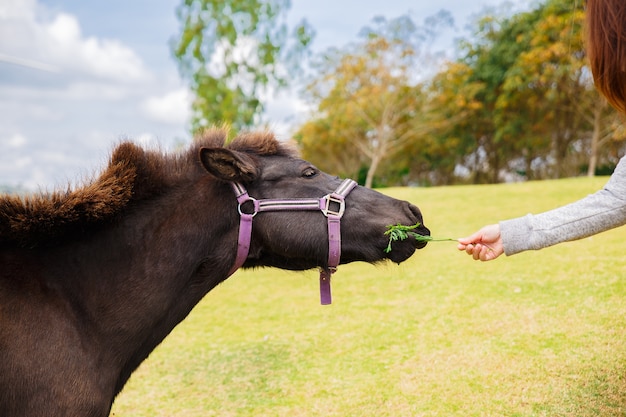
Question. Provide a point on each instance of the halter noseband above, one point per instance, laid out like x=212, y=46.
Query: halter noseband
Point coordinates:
x=331, y=205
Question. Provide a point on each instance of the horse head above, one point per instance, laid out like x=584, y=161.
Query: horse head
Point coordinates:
x=297, y=239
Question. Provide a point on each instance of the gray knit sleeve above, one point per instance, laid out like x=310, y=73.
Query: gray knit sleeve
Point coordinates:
x=598, y=212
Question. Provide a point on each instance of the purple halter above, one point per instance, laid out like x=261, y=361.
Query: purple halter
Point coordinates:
x=333, y=214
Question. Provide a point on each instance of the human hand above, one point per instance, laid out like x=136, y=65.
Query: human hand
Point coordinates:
x=484, y=245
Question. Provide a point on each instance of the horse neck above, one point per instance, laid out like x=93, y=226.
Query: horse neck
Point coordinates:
x=139, y=279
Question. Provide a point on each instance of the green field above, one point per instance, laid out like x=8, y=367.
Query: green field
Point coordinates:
x=536, y=334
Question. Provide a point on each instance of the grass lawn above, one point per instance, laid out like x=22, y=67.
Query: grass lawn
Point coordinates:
x=536, y=334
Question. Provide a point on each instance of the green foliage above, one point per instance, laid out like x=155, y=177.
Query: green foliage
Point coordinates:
x=401, y=232
x=536, y=334
x=545, y=96
x=233, y=51
x=367, y=98
x=517, y=103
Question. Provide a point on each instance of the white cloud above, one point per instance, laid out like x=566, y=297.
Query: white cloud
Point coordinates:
x=15, y=141
x=16, y=9
x=172, y=107
x=30, y=34
x=64, y=29
x=101, y=57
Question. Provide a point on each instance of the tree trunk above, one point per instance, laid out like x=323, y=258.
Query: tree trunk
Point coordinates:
x=369, y=179
x=595, y=140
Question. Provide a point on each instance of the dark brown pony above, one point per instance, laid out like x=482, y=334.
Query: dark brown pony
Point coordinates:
x=93, y=279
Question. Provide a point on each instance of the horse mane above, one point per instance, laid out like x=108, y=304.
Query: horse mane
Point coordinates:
x=133, y=174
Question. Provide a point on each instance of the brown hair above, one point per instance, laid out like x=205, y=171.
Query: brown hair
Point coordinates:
x=606, y=47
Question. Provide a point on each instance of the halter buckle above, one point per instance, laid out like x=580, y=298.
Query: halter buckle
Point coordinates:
x=333, y=198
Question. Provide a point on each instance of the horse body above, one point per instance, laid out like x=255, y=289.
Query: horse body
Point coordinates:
x=85, y=296
x=81, y=316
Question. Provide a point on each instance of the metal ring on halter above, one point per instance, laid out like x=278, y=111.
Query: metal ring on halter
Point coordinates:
x=255, y=206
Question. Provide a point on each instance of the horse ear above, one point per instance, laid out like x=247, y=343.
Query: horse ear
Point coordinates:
x=228, y=165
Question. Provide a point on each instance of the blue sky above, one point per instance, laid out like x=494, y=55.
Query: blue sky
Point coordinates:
x=77, y=76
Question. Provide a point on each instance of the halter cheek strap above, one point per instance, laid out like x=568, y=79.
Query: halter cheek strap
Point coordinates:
x=331, y=205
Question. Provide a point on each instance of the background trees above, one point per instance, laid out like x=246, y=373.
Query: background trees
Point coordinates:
x=516, y=103
x=544, y=107
x=232, y=51
x=547, y=92
x=368, y=97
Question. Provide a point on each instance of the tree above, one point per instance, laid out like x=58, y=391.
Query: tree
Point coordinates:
x=467, y=92
x=368, y=97
x=525, y=85
x=543, y=87
x=551, y=84
x=454, y=117
x=232, y=52
x=609, y=134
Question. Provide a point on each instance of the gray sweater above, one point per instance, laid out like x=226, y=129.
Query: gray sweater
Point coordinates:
x=598, y=212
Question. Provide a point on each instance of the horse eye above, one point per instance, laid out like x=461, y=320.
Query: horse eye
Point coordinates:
x=309, y=173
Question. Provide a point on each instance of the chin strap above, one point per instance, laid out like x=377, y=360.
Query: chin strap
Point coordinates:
x=331, y=205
